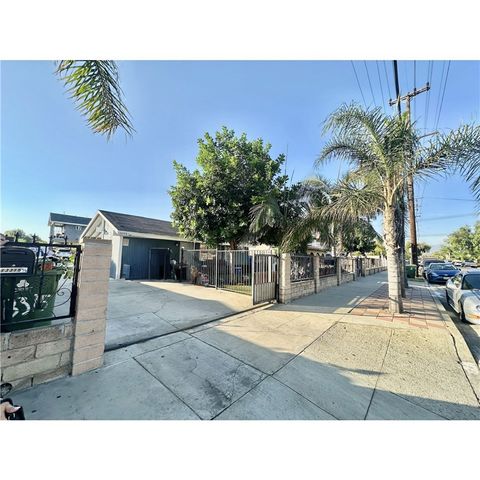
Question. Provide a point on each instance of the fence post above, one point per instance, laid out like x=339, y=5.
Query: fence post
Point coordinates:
x=216, y=268
x=316, y=272
x=338, y=264
x=91, y=315
x=285, y=285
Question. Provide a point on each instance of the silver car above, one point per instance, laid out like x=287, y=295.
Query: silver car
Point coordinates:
x=463, y=295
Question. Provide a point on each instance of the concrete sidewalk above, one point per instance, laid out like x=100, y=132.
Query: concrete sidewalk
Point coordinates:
x=283, y=362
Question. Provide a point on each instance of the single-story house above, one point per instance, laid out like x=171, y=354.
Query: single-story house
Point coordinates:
x=68, y=227
x=142, y=248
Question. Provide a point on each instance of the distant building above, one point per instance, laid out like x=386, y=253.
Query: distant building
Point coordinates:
x=68, y=227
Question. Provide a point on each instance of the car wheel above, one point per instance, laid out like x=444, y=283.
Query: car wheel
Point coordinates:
x=462, y=315
x=448, y=298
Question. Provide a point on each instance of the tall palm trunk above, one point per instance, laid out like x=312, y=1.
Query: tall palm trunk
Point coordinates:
x=393, y=261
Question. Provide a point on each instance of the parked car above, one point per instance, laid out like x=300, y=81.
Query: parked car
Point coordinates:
x=463, y=295
x=470, y=264
x=440, y=272
x=426, y=262
x=457, y=263
x=63, y=252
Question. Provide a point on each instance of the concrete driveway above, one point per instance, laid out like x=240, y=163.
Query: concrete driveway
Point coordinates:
x=139, y=310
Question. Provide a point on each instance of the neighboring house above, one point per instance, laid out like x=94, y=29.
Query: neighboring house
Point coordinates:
x=66, y=226
x=142, y=248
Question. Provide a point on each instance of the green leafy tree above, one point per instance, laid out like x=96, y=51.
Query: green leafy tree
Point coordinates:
x=22, y=235
x=422, y=248
x=462, y=244
x=94, y=86
x=361, y=238
x=212, y=204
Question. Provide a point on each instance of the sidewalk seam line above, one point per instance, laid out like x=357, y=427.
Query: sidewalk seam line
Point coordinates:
x=173, y=393
x=267, y=375
x=379, y=374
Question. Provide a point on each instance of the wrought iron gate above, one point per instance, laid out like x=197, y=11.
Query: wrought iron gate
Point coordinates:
x=265, y=277
x=46, y=291
x=248, y=272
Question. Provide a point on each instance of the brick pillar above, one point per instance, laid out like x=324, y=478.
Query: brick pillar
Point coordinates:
x=316, y=272
x=285, y=290
x=91, y=317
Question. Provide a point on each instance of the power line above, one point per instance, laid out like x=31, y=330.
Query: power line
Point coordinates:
x=447, y=217
x=386, y=78
x=370, y=83
x=443, y=95
x=358, y=83
x=427, y=100
x=381, y=87
x=453, y=199
x=397, y=86
x=414, y=86
x=439, y=91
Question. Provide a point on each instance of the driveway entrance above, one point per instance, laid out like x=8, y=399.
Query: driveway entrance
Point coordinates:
x=139, y=310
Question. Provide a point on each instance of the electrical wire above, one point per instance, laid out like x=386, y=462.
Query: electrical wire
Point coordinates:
x=427, y=100
x=453, y=199
x=439, y=91
x=387, y=80
x=443, y=95
x=358, y=83
x=381, y=87
x=446, y=217
x=414, y=88
x=370, y=83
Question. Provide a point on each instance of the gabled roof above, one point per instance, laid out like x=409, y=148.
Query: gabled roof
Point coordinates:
x=62, y=218
x=134, y=223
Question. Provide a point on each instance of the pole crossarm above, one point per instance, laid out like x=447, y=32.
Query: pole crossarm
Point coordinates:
x=410, y=95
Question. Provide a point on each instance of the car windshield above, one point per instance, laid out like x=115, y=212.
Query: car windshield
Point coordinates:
x=471, y=282
x=442, y=266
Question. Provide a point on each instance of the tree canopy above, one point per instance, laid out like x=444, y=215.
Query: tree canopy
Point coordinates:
x=462, y=244
x=22, y=235
x=212, y=203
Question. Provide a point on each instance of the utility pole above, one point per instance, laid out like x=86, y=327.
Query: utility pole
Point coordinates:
x=400, y=209
x=410, y=188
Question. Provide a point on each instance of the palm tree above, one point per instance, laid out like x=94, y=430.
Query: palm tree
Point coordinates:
x=94, y=86
x=382, y=151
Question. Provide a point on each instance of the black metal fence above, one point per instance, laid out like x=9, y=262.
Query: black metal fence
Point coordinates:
x=231, y=270
x=328, y=266
x=301, y=268
x=36, y=294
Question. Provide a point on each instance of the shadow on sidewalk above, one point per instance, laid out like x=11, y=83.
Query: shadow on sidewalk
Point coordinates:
x=258, y=373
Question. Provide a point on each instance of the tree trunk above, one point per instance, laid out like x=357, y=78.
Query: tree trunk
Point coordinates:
x=400, y=239
x=393, y=261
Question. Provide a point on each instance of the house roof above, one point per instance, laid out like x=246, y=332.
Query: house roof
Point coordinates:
x=134, y=223
x=62, y=218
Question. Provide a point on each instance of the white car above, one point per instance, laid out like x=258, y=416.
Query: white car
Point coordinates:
x=463, y=295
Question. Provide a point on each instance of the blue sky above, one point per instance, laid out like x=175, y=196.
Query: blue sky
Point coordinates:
x=50, y=160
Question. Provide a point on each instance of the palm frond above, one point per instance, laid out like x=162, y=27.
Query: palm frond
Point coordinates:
x=458, y=150
x=265, y=214
x=94, y=86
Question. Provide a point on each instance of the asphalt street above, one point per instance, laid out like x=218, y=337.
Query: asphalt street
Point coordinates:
x=470, y=332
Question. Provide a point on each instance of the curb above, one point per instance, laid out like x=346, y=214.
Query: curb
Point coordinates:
x=202, y=325
x=466, y=359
